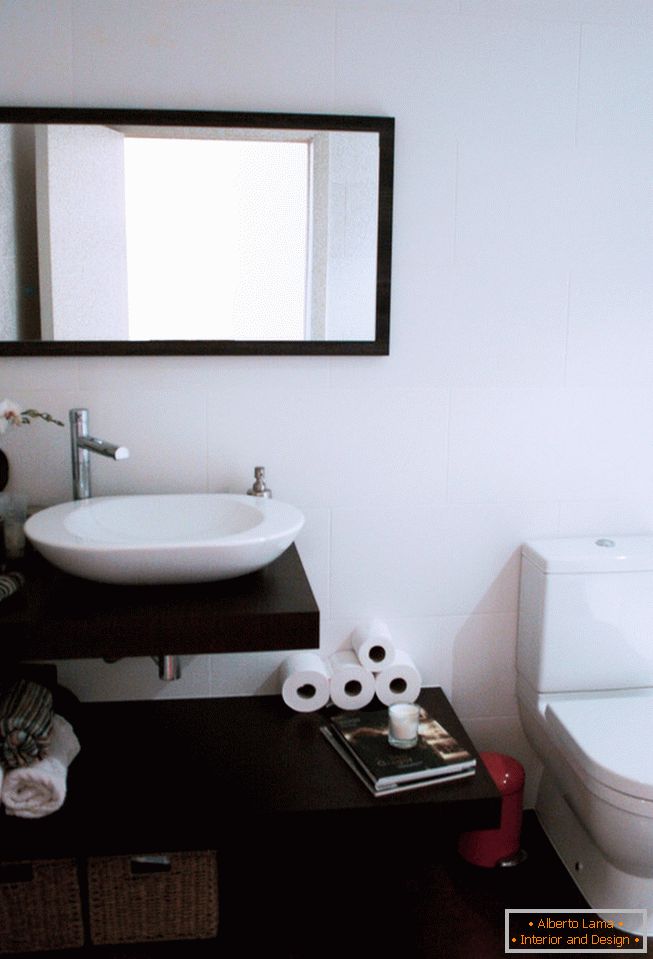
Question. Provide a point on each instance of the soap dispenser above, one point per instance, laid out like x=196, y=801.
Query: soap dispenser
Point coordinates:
x=259, y=487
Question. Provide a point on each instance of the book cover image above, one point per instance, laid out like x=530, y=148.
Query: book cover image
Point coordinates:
x=385, y=788
x=436, y=754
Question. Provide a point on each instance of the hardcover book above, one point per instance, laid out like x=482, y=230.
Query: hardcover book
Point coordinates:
x=361, y=738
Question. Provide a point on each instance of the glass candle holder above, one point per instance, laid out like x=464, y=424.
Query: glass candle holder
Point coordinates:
x=13, y=510
x=403, y=724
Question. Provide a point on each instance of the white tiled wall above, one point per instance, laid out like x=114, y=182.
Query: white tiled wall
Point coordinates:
x=517, y=400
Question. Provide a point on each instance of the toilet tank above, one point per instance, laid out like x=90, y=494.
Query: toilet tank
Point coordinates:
x=586, y=613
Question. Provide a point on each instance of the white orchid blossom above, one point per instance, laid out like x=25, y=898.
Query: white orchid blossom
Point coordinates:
x=12, y=415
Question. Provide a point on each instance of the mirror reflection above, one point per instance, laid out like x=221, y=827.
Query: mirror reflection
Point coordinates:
x=193, y=237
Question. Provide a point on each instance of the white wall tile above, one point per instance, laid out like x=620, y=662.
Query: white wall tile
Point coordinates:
x=37, y=54
x=609, y=326
x=415, y=7
x=430, y=644
x=611, y=284
x=511, y=204
x=228, y=55
x=383, y=443
x=616, y=85
x=515, y=85
x=356, y=445
x=421, y=560
x=602, y=433
x=581, y=11
x=508, y=309
x=507, y=445
x=212, y=374
x=260, y=374
x=484, y=650
x=633, y=516
x=462, y=77
x=285, y=430
x=22, y=374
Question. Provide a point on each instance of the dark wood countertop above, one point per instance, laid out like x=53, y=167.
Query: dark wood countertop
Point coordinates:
x=194, y=773
x=58, y=616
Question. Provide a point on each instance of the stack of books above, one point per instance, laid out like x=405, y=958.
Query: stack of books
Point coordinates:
x=361, y=739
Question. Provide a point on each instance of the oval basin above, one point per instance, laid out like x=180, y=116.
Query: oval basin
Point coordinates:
x=164, y=538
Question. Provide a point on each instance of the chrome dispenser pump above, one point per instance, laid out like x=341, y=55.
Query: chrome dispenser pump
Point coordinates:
x=259, y=487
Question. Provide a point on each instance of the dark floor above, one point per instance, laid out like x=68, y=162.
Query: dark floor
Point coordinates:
x=423, y=907
x=470, y=921
x=438, y=907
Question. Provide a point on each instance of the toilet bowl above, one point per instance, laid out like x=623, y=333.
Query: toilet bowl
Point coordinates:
x=596, y=748
x=583, y=642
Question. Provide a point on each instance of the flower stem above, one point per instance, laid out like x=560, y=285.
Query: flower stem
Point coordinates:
x=28, y=415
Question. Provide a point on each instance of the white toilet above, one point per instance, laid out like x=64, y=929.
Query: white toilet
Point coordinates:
x=585, y=691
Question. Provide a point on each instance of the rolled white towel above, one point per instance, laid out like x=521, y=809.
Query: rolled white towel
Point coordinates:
x=31, y=792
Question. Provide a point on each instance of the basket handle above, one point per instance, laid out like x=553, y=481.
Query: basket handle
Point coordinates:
x=146, y=865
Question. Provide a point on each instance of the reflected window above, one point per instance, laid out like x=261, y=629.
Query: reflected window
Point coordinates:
x=222, y=227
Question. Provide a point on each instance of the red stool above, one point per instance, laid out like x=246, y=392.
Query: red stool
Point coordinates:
x=499, y=847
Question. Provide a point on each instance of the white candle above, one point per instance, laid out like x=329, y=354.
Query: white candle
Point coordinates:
x=403, y=722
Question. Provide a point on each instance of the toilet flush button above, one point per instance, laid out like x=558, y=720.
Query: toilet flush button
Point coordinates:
x=605, y=542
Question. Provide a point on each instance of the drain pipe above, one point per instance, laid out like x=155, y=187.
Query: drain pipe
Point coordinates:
x=169, y=667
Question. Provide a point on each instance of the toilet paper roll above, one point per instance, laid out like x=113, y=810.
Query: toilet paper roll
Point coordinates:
x=305, y=679
x=400, y=682
x=352, y=686
x=373, y=645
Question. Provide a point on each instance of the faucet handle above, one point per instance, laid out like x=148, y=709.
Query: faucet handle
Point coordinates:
x=259, y=486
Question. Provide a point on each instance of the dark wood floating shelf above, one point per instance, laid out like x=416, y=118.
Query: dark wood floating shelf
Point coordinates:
x=57, y=616
x=163, y=776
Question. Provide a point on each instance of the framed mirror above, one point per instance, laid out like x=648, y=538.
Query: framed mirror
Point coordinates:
x=186, y=232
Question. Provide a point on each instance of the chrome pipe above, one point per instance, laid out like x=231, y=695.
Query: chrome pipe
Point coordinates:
x=169, y=667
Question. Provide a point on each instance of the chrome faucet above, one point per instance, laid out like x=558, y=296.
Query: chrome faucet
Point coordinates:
x=82, y=445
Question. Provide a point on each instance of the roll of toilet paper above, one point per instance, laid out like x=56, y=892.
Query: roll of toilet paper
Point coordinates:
x=373, y=645
x=305, y=679
x=400, y=682
x=352, y=686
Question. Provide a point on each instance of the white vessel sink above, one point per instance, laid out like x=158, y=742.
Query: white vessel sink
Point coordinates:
x=167, y=538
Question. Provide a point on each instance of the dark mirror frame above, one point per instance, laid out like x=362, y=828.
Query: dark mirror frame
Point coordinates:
x=384, y=126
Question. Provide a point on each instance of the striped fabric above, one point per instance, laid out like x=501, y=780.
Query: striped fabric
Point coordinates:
x=26, y=714
x=9, y=583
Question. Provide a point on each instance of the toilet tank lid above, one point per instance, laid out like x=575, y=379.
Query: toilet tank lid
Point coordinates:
x=591, y=554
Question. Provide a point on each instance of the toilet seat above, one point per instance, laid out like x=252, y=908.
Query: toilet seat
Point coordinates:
x=609, y=738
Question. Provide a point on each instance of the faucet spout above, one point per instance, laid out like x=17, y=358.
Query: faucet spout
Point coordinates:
x=94, y=445
x=82, y=445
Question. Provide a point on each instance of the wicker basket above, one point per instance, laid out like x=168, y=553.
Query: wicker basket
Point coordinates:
x=40, y=906
x=150, y=898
